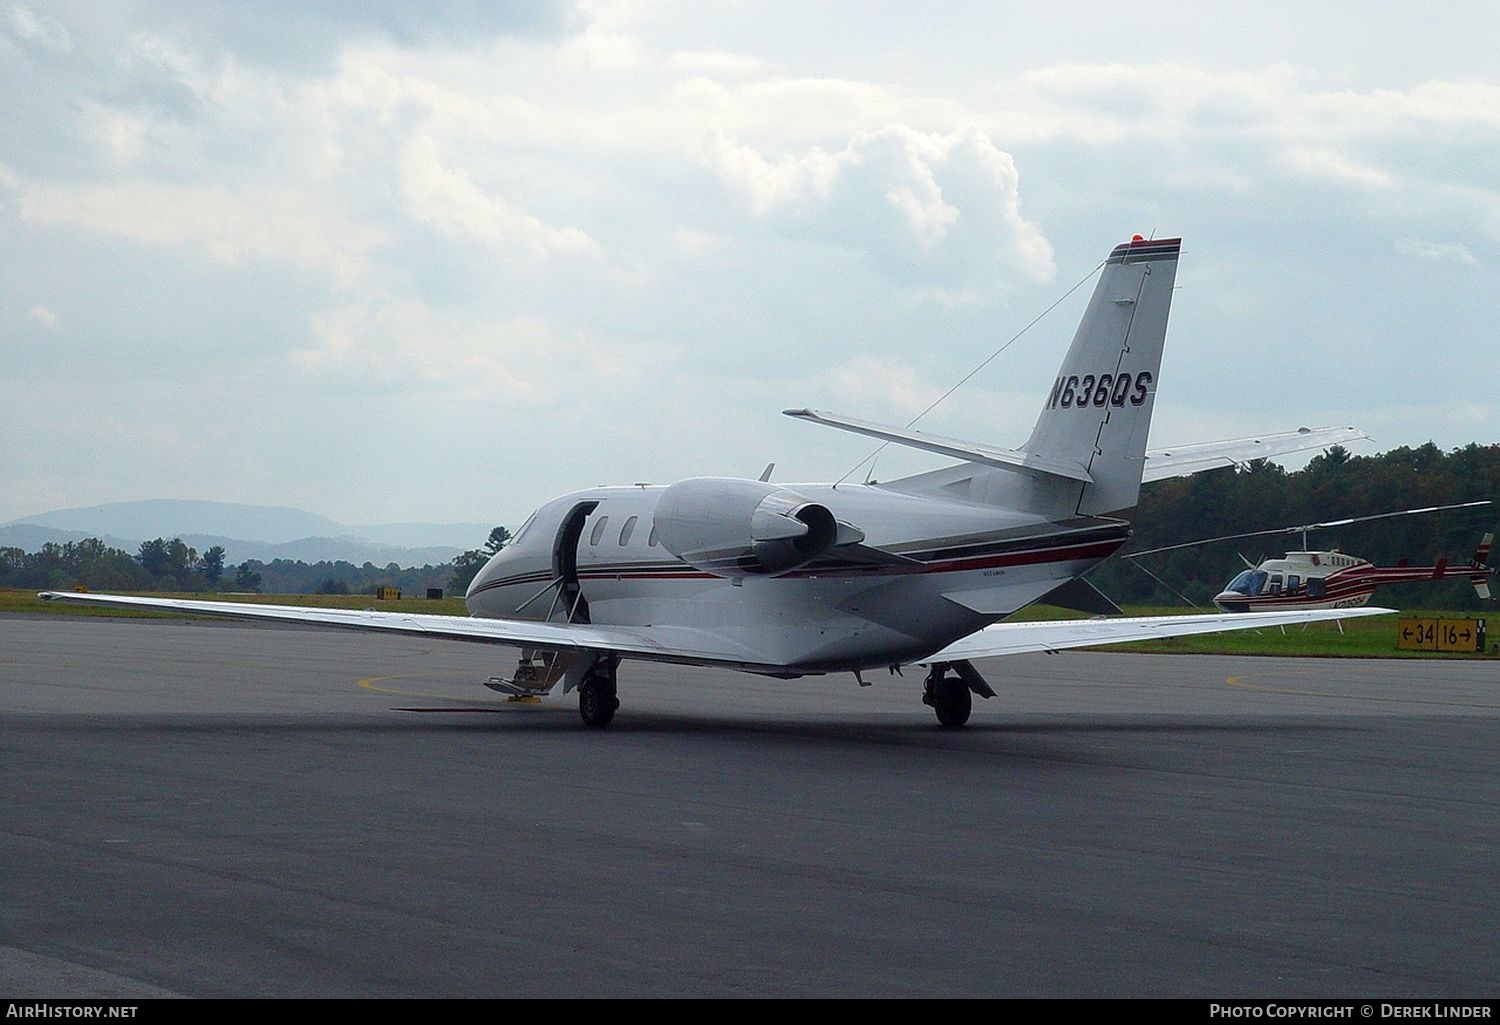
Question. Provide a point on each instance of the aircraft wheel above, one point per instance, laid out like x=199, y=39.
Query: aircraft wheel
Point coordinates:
x=597, y=701
x=952, y=702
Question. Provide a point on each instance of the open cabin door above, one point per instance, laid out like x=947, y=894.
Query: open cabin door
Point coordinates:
x=540, y=668
x=570, y=605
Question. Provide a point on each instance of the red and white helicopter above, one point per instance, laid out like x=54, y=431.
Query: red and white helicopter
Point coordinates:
x=1333, y=579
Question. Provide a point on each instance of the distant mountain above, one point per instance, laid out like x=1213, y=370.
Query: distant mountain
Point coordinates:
x=247, y=532
x=29, y=538
x=173, y=518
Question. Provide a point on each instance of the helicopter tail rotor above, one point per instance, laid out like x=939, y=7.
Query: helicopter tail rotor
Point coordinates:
x=1480, y=563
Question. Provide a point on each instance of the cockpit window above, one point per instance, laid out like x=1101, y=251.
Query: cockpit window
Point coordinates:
x=1249, y=582
x=524, y=528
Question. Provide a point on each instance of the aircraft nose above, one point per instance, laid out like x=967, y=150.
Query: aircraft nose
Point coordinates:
x=486, y=574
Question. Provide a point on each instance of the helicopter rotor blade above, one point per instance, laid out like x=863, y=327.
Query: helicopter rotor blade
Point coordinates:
x=1211, y=540
x=1306, y=527
x=1382, y=516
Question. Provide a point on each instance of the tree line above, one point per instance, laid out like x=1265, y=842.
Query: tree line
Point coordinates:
x=1334, y=485
x=163, y=564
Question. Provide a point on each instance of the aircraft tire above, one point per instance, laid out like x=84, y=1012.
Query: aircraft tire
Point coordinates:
x=952, y=702
x=597, y=701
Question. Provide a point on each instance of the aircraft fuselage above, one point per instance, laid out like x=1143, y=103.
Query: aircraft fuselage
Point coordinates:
x=927, y=573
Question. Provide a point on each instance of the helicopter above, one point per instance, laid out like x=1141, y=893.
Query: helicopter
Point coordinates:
x=1332, y=579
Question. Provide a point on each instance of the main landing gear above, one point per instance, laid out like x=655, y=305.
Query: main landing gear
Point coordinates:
x=952, y=697
x=597, y=699
x=539, y=670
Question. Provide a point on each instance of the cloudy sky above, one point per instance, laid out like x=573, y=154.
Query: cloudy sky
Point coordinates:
x=442, y=261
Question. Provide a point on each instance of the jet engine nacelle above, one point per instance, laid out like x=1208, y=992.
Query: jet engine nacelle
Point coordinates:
x=737, y=528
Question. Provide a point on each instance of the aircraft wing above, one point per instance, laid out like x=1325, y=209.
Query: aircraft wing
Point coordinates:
x=676, y=644
x=1018, y=638
x=657, y=644
x=1182, y=460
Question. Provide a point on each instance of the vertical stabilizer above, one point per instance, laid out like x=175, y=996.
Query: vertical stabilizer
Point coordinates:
x=1481, y=562
x=1098, y=412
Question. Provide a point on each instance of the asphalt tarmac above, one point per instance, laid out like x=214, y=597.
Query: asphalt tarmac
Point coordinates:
x=217, y=810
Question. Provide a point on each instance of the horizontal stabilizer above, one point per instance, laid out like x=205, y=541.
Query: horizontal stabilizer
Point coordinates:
x=973, y=452
x=1177, y=461
x=1182, y=460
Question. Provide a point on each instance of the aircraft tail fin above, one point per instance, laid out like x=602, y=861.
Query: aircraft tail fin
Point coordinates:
x=1098, y=413
x=1480, y=562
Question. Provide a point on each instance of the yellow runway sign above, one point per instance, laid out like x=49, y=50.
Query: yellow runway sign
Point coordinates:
x=1440, y=634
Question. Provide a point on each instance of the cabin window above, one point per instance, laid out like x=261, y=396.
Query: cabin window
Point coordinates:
x=598, y=530
x=1275, y=586
x=627, y=530
x=651, y=541
x=1292, y=583
x=1315, y=588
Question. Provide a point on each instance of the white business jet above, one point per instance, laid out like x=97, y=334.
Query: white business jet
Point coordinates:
x=793, y=579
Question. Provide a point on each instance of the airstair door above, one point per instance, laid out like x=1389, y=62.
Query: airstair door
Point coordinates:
x=570, y=606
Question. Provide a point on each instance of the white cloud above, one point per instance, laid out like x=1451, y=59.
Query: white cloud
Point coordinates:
x=40, y=29
x=1116, y=103
x=716, y=64
x=1321, y=162
x=897, y=193
x=1111, y=103
x=869, y=383
x=773, y=184
x=599, y=50
x=44, y=317
x=253, y=224
x=778, y=112
x=1432, y=104
x=122, y=134
x=695, y=243
x=406, y=344
x=447, y=199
